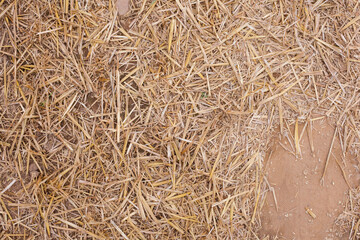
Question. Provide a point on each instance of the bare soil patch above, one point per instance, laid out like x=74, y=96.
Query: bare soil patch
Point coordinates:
x=307, y=207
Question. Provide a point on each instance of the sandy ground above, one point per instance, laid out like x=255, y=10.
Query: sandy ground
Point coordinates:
x=304, y=207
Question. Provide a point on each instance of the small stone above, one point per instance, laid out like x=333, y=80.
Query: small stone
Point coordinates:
x=122, y=6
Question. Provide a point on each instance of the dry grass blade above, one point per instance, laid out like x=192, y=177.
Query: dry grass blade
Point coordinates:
x=328, y=157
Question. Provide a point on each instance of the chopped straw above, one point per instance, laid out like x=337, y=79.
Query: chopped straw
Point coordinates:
x=154, y=123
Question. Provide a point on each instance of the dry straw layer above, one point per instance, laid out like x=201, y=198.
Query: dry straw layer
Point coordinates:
x=155, y=124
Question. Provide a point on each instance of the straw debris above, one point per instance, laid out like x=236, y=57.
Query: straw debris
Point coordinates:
x=153, y=122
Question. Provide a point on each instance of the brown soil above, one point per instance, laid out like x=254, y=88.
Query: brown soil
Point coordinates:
x=296, y=183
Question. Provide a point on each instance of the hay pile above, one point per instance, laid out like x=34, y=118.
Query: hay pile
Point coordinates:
x=155, y=124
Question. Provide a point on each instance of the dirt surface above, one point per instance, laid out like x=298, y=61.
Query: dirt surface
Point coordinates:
x=296, y=183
